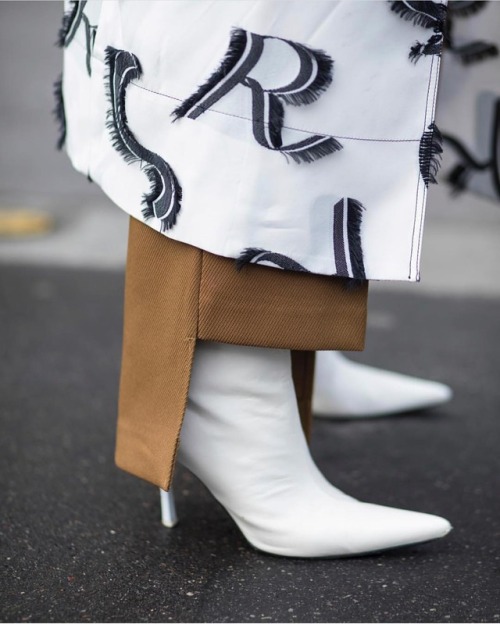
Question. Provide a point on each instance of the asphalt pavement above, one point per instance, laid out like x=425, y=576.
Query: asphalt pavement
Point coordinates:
x=81, y=540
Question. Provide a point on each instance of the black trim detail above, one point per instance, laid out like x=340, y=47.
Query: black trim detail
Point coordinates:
x=426, y=14
x=313, y=78
x=72, y=20
x=429, y=154
x=254, y=255
x=164, y=199
x=354, y=220
x=90, y=34
x=423, y=13
x=432, y=46
x=267, y=122
x=237, y=45
x=58, y=112
x=70, y=23
x=347, y=250
x=324, y=76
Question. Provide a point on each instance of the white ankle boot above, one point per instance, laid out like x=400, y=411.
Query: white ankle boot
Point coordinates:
x=242, y=438
x=346, y=389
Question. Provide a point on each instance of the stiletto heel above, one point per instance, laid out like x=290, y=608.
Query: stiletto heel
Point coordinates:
x=168, y=512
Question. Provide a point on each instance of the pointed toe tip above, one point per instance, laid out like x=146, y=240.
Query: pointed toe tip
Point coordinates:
x=434, y=527
x=446, y=527
x=443, y=393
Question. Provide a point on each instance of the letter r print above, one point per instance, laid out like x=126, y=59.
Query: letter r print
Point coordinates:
x=313, y=77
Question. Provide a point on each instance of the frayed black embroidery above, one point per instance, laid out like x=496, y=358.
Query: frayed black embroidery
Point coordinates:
x=164, y=198
x=464, y=8
x=430, y=151
x=70, y=23
x=59, y=113
x=267, y=124
x=313, y=77
x=426, y=14
x=237, y=45
x=433, y=46
x=253, y=255
x=276, y=121
x=355, y=216
x=90, y=34
x=323, y=79
x=347, y=249
x=423, y=13
x=322, y=146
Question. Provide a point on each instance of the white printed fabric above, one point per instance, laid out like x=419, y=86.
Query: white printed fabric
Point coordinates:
x=294, y=134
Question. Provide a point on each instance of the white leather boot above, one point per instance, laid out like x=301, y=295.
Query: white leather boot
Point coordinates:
x=346, y=389
x=242, y=438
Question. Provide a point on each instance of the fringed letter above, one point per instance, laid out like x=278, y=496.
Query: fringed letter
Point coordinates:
x=430, y=151
x=253, y=255
x=314, y=76
x=70, y=23
x=348, y=253
x=59, y=113
x=426, y=14
x=164, y=199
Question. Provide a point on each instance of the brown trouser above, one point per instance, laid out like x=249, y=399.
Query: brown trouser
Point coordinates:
x=176, y=294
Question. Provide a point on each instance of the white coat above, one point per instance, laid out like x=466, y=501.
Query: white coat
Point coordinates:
x=295, y=133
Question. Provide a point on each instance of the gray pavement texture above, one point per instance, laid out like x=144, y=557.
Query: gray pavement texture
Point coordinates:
x=82, y=541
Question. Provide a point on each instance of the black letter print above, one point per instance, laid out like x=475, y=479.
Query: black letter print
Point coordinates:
x=163, y=200
x=254, y=255
x=71, y=22
x=347, y=215
x=429, y=154
x=313, y=78
x=59, y=113
x=427, y=14
x=347, y=249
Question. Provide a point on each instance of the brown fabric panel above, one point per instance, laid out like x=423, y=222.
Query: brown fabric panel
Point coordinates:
x=267, y=307
x=175, y=294
x=303, y=379
x=160, y=326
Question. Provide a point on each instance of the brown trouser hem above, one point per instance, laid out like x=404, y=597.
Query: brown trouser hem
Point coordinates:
x=176, y=294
